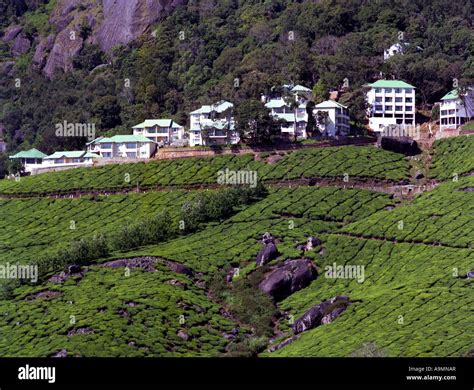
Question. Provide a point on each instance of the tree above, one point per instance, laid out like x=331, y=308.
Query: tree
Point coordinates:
x=320, y=92
x=254, y=123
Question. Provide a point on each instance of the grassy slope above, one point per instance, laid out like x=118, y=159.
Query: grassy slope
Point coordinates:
x=408, y=279
x=325, y=162
x=452, y=156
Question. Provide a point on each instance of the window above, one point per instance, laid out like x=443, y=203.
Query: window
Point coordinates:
x=378, y=108
x=76, y=160
x=106, y=154
x=408, y=108
x=131, y=155
x=131, y=145
x=408, y=100
x=398, y=90
x=388, y=90
x=378, y=99
x=59, y=161
x=378, y=90
x=388, y=100
x=398, y=108
x=398, y=100
x=388, y=108
x=106, y=146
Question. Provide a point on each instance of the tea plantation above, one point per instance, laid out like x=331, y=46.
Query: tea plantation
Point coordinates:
x=354, y=161
x=452, y=157
x=414, y=299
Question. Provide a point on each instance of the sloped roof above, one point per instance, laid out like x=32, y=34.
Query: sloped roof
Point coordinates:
x=91, y=155
x=154, y=122
x=390, y=84
x=300, y=88
x=217, y=107
x=275, y=103
x=329, y=104
x=66, y=154
x=454, y=94
x=125, y=138
x=32, y=153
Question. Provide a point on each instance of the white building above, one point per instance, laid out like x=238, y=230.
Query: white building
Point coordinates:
x=30, y=159
x=73, y=158
x=397, y=48
x=162, y=131
x=455, y=111
x=213, y=125
x=295, y=119
x=391, y=102
x=123, y=146
x=337, y=119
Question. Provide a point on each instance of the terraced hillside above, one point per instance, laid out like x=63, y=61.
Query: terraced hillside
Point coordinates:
x=176, y=298
x=452, y=157
x=354, y=161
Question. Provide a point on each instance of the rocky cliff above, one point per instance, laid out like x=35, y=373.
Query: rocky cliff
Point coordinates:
x=76, y=23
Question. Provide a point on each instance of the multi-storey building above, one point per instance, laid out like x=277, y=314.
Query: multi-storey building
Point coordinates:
x=294, y=117
x=456, y=110
x=391, y=102
x=336, y=120
x=213, y=125
x=162, y=131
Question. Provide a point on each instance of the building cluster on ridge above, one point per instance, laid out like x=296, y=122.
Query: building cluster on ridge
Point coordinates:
x=390, y=102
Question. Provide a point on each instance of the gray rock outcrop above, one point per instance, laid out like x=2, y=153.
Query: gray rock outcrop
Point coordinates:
x=291, y=276
x=323, y=313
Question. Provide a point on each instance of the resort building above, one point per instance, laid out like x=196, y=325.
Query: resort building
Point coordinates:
x=289, y=106
x=213, y=125
x=161, y=131
x=456, y=110
x=123, y=146
x=70, y=158
x=334, y=121
x=391, y=102
x=30, y=159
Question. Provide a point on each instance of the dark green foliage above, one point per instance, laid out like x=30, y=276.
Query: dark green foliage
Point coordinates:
x=218, y=205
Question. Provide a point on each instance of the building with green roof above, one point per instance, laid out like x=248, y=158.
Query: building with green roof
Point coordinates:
x=30, y=159
x=123, y=146
x=456, y=110
x=161, y=131
x=391, y=103
x=218, y=121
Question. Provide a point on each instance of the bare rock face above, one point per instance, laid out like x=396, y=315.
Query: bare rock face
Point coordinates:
x=6, y=67
x=21, y=45
x=323, y=313
x=11, y=33
x=291, y=276
x=63, y=52
x=125, y=20
x=42, y=50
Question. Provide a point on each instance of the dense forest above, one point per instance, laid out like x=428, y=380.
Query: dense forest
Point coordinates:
x=208, y=50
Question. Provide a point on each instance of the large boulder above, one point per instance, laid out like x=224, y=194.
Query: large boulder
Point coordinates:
x=266, y=254
x=291, y=276
x=269, y=251
x=404, y=145
x=323, y=313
